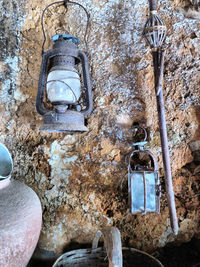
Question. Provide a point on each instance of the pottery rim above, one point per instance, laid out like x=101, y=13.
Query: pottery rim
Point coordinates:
x=6, y=163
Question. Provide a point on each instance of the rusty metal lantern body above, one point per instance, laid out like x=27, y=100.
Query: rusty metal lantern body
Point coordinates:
x=68, y=100
x=143, y=182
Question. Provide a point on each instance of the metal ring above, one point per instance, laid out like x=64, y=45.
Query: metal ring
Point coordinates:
x=144, y=130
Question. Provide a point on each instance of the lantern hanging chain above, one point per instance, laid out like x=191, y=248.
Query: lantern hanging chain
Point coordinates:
x=65, y=3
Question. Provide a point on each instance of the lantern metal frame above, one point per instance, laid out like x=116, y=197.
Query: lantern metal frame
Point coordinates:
x=63, y=55
x=144, y=172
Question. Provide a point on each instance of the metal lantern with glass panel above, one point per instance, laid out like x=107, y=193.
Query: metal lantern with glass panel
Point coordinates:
x=143, y=181
x=60, y=82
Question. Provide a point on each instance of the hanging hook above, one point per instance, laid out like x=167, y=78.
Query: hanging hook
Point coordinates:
x=137, y=128
x=66, y=4
x=139, y=144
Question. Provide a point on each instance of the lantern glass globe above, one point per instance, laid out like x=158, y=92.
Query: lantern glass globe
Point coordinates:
x=63, y=86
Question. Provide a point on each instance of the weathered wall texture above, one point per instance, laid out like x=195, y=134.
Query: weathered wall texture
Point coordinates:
x=81, y=179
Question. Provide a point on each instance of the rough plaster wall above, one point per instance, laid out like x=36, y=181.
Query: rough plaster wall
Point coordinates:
x=81, y=179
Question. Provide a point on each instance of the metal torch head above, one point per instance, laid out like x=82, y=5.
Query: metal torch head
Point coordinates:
x=155, y=30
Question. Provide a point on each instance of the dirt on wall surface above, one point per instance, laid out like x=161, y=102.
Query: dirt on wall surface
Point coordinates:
x=81, y=179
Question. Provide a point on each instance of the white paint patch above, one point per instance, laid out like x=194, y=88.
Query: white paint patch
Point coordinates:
x=19, y=96
x=70, y=159
x=10, y=90
x=92, y=197
x=124, y=119
x=61, y=160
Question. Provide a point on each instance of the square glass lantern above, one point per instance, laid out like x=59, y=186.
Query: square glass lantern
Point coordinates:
x=143, y=182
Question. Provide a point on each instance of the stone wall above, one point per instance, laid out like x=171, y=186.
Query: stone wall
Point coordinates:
x=81, y=179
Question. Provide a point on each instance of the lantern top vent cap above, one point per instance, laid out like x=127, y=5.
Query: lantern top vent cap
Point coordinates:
x=66, y=37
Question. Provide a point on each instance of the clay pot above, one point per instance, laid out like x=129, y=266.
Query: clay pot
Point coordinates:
x=20, y=216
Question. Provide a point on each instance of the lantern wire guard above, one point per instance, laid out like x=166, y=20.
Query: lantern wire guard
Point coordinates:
x=155, y=33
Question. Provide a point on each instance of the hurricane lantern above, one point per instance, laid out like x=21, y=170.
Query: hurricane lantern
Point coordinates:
x=68, y=99
x=143, y=181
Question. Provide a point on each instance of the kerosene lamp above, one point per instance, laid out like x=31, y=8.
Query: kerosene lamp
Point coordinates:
x=63, y=98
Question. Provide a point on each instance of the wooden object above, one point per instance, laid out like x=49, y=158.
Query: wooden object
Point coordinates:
x=112, y=255
x=113, y=245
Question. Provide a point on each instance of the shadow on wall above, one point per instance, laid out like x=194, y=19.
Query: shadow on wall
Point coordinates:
x=186, y=255
x=45, y=258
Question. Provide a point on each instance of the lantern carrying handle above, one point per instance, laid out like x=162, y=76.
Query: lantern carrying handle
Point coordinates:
x=155, y=163
x=65, y=3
